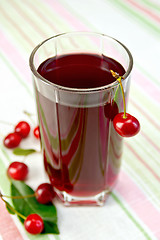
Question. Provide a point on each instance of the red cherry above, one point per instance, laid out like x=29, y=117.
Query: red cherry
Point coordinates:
x=126, y=127
x=45, y=193
x=36, y=132
x=17, y=171
x=12, y=140
x=23, y=129
x=34, y=224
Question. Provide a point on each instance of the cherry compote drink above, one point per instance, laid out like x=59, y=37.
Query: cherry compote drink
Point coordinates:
x=82, y=151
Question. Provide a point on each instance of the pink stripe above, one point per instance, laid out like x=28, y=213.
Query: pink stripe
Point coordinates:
x=143, y=162
x=146, y=11
x=74, y=22
x=147, y=85
x=139, y=203
x=15, y=57
x=149, y=117
x=8, y=229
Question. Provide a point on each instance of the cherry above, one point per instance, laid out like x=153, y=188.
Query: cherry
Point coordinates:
x=36, y=132
x=12, y=140
x=23, y=129
x=111, y=110
x=34, y=224
x=126, y=126
x=45, y=193
x=17, y=171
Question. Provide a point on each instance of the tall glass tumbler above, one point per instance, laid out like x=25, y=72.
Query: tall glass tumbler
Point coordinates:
x=82, y=151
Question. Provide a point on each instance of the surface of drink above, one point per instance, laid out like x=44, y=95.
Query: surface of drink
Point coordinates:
x=80, y=70
x=82, y=151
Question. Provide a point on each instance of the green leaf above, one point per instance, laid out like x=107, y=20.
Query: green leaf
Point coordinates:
x=50, y=227
x=23, y=152
x=30, y=205
x=9, y=208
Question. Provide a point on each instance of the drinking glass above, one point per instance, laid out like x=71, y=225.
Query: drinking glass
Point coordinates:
x=81, y=149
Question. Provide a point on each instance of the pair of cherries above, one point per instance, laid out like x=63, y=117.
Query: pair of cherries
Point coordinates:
x=33, y=223
x=44, y=194
x=21, y=131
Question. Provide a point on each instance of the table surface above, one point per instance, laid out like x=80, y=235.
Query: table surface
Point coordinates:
x=132, y=211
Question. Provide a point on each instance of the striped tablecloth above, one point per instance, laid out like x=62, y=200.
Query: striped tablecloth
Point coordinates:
x=132, y=211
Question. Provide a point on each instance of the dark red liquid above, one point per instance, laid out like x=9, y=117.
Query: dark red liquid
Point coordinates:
x=81, y=149
x=80, y=70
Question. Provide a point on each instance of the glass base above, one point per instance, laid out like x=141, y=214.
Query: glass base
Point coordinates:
x=69, y=200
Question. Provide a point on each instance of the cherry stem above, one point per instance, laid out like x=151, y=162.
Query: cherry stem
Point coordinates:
x=19, y=214
x=119, y=78
x=124, y=102
x=19, y=197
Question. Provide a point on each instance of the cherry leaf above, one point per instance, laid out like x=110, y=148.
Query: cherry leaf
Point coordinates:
x=30, y=205
x=23, y=152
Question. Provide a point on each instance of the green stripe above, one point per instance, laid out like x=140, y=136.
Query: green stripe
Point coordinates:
x=152, y=5
x=38, y=237
x=57, y=237
x=16, y=75
x=150, y=76
x=5, y=153
x=4, y=182
x=117, y=200
x=138, y=16
x=77, y=15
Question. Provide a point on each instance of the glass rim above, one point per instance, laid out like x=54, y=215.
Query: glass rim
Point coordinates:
x=80, y=90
